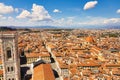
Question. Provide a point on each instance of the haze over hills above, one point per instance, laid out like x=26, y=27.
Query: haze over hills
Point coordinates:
x=55, y=27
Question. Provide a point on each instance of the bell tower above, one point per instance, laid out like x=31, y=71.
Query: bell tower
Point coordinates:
x=10, y=56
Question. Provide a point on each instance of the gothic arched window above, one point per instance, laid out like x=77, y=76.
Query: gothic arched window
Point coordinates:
x=11, y=68
x=9, y=55
x=8, y=69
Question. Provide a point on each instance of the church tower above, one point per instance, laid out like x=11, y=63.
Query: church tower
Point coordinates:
x=10, y=56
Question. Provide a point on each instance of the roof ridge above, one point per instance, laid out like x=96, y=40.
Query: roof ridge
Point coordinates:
x=43, y=71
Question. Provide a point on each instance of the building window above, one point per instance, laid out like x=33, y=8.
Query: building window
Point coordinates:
x=11, y=68
x=9, y=53
x=8, y=69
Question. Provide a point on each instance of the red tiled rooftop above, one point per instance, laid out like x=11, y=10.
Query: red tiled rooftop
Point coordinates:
x=36, y=55
x=8, y=32
x=0, y=61
x=89, y=39
x=43, y=72
x=1, y=72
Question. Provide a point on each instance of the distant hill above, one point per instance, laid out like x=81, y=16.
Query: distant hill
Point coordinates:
x=46, y=27
x=4, y=28
x=86, y=27
x=114, y=27
x=26, y=27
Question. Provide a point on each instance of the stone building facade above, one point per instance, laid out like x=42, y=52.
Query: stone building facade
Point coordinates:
x=10, y=56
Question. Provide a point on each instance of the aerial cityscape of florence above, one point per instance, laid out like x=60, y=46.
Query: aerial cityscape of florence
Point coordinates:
x=59, y=39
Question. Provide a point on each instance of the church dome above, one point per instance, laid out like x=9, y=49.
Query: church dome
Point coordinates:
x=89, y=39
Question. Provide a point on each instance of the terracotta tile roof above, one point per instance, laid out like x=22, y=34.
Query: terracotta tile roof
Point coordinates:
x=50, y=45
x=97, y=48
x=73, y=70
x=0, y=61
x=43, y=72
x=36, y=55
x=73, y=65
x=89, y=39
x=1, y=72
x=86, y=72
x=63, y=66
x=45, y=55
x=33, y=55
x=116, y=73
x=113, y=65
x=66, y=78
x=89, y=64
x=58, y=55
x=21, y=44
x=8, y=32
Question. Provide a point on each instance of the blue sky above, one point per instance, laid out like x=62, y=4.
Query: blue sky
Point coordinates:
x=61, y=13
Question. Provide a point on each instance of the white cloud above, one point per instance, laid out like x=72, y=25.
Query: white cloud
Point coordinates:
x=64, y=22
x=90, y=5
x=2, y=17
x=16, y=10
x=24, y=14
x=38, y=13
x=10, y=18
x=68, y=22
x=57, y=11
x=112, y=21
x=100, y=21
x=4, y=9
x=118, y=11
